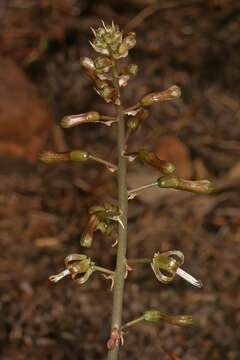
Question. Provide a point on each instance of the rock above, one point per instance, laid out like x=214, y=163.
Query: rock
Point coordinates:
x=25, y=120
x=171, y=148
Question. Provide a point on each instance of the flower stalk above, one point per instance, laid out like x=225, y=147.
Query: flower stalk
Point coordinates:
x=119, y=276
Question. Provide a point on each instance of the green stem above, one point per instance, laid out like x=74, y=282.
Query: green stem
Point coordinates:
x=122, y=231
x=133, y=322
x=139, y=261
x=109, y=165
x=103, y=270
x=140, y=188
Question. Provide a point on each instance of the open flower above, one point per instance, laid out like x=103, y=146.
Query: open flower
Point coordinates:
x=78, y=266
x=166, y=265
x=103, y=218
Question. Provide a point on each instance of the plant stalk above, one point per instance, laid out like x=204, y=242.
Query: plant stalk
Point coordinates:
x=140, y=188
x=122, y=230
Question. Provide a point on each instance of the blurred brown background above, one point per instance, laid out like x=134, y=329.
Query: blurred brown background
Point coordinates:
x=43, y=209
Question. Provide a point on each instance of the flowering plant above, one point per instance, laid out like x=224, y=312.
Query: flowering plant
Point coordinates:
x=104, y=70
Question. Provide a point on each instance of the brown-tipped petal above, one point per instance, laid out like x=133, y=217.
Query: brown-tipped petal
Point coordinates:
x=155, y=316
x=179, y=320
x=74, y=120
x=87, y=235
x=150, y=158
x=172, y=93
x=198, y=186
x=49, y=157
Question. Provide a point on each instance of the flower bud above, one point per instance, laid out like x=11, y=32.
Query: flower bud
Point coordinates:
x=165, y=265
x=133, y=122
x=130, y=69
x=107, y=39
x=150, y=158
x=170, y=94
x=73, y=120
x=127, y=44
x=168, y=182
x=88, y=67
x=198, y=186
x=49, y=157
x=102, y=65
x=155, y=316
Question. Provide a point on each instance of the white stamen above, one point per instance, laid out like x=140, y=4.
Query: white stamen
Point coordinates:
x=56, y=278
x=183, y=274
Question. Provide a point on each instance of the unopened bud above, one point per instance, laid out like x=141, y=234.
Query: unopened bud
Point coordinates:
x=88, y=67
x=170, y=94
x=168, y=182
x=73, y=120
x=102, y=65
x=133, y=122
x=197, y=186
x=127, y=44
x=107, y=39
x=150, y=158
x=49, y=157
x=130, y=69
x=155, y=316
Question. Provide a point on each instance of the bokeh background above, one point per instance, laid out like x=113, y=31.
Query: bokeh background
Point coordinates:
x=43, y=209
